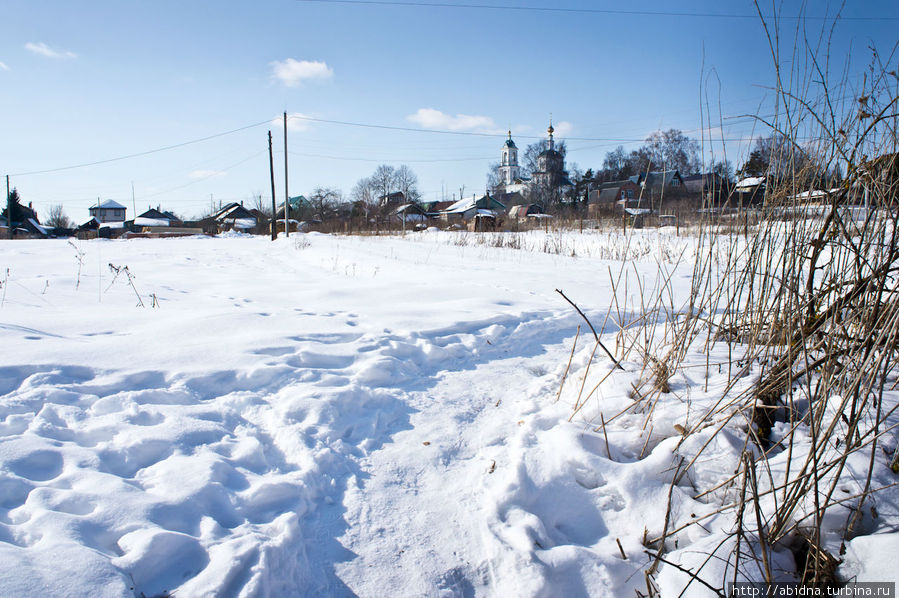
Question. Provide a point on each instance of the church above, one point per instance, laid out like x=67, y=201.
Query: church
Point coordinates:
x=549, y=181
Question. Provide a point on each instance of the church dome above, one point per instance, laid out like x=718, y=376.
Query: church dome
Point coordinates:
x=509, y=142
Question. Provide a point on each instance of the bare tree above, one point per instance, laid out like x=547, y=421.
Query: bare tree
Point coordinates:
x=533, y=151
x=56, y=217
x=407, y=183
x=494, y=177
x=323, y=202
x=616, y=166
x=384, y=181
x=672, y=150
x=364, y=194
x=259, y=203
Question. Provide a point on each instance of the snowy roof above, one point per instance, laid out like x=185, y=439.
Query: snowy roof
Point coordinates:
x=158, y=214
x=142, y=221
x=462, y=205
x=750, y=182
x=41, y=229
x=813, y=194
x=109, y=205
x=234, y=210
x=408, y=207
x=638, y=211
x=112, y=224
x=468, y=203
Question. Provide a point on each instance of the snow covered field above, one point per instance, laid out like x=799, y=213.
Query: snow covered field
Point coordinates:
x=341, y=416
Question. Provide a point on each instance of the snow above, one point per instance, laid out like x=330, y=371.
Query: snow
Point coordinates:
x=241, y=223
x=113, y=224
x=327, y=415
x=750, y=182
x=110, y=205
x=141, y=221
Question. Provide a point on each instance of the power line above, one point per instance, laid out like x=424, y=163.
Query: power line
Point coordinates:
x=445, y=132
x=387, y=160
x=208, y=176
x=489, y=135
x=139, y=154
x=600, y=11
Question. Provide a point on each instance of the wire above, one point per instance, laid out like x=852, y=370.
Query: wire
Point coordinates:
x=208, y=176
x=491, y=135
x=602, y=11
x=139, y=154
x=444, y=132
x=388, y=160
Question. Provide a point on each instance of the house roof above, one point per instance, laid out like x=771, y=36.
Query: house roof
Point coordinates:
x=91, y=224
x=32, y=224
x=656, y=178
x=440, y=206
x=392, y=197
x=109, y=205
x=154, y=214
x=749, y=182
x=525, y=210
x=233, y=210
x=609, y=194
x=411, y=208
x=148, y=221
x=485, y=202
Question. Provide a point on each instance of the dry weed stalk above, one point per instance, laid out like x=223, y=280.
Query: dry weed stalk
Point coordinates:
x=803, y=293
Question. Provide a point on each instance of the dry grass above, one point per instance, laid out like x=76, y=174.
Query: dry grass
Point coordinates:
x=804, y=298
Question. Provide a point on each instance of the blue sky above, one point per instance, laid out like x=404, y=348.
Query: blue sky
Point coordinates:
x=90, y=81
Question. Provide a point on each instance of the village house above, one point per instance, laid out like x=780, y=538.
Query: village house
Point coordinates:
x=614, y=196
x=157, y=217
x=410, y=213
x=397, y=198
x=24, y=222
x=234, y=216
x=524, y=213
x=108, y=211
x=474, y=207
x=660, y=186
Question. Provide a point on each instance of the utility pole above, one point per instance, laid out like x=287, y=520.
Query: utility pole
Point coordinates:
x=286, y=193
x=271, y=168
x=9, y=227
x=133, y=203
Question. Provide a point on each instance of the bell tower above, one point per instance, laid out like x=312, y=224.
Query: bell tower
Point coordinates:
x=508, y=168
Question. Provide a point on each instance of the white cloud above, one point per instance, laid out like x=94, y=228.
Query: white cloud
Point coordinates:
x=45, y=50
x=3, y=67
x=206, y=174
x=429, y=118
x=562, y=129
x=292, y=72
x=296, y=122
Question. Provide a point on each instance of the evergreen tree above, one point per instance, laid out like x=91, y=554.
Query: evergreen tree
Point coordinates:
x=19, y=212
